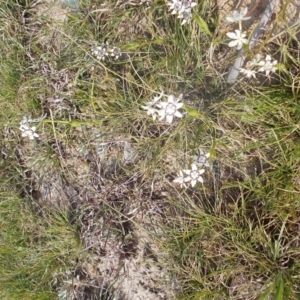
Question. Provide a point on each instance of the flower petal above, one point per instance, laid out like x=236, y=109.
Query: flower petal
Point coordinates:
x=201, y=171
x=178, y=105
x=162, y=105
x=171, y=99
x=186, y=179
x=200, y=179
x=230, y=19
x=233, y=43
x=169, y=119
x=194, y=167
x=178, y=114
x=239, y=45
x=231, y=35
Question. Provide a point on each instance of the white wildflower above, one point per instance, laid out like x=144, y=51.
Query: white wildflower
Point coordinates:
x=151, y=111
x=100, y=51
x=150, y=106
x=188, y=4
x=201, y=159
x=267, y=65
x=255, y=60
x=115, y=52
x=182, y=8
x=169, y=109
x=180, y=179
x=249, y=73
x=186, y=16
x=238, y=39
x=176, y=6
x=194, y=175
x=28, y=131
x=238, y=17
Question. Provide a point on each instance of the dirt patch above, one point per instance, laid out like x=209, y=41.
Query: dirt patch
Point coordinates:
x=52, y=9
x=115, y=216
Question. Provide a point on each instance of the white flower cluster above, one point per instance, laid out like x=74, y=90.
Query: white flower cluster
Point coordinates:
x=183, y=8
x=100, y=52
x=164, y=109
x=193, y=175
x=27, y=130
x=263, y=65
x=238, y=37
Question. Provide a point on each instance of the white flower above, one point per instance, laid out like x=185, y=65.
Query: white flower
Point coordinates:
x=188, y=4
x=248, y=73
x=238, y=39
x=182, y=8
x=186, y=16
x=28, y=131
x=267, y=66
x=201, y=159
x=176, y=6
x=255, y=60
x=238, y=17
x=100, y=51
x=194, y=175
x=150, y=106
x=115, y=52
x=151, y=111
x=169, y=109
x=180, y=179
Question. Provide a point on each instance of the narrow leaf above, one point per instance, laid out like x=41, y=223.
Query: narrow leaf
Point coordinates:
x=279, y=288
x=192, y=112
x=264, y=296
x=202, y=24
x=133, y=46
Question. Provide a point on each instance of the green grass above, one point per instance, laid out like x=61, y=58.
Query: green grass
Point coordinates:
x=234, y=237
x=249, y=234
x=33, y=250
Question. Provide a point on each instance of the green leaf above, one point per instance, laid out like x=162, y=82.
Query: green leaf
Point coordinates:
x=267, y=292
x=75, y=123
x=279, y=287
x=280, y=66
x=192, y=112
x=133, y=46
x=264, y=296
x=202, y=24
